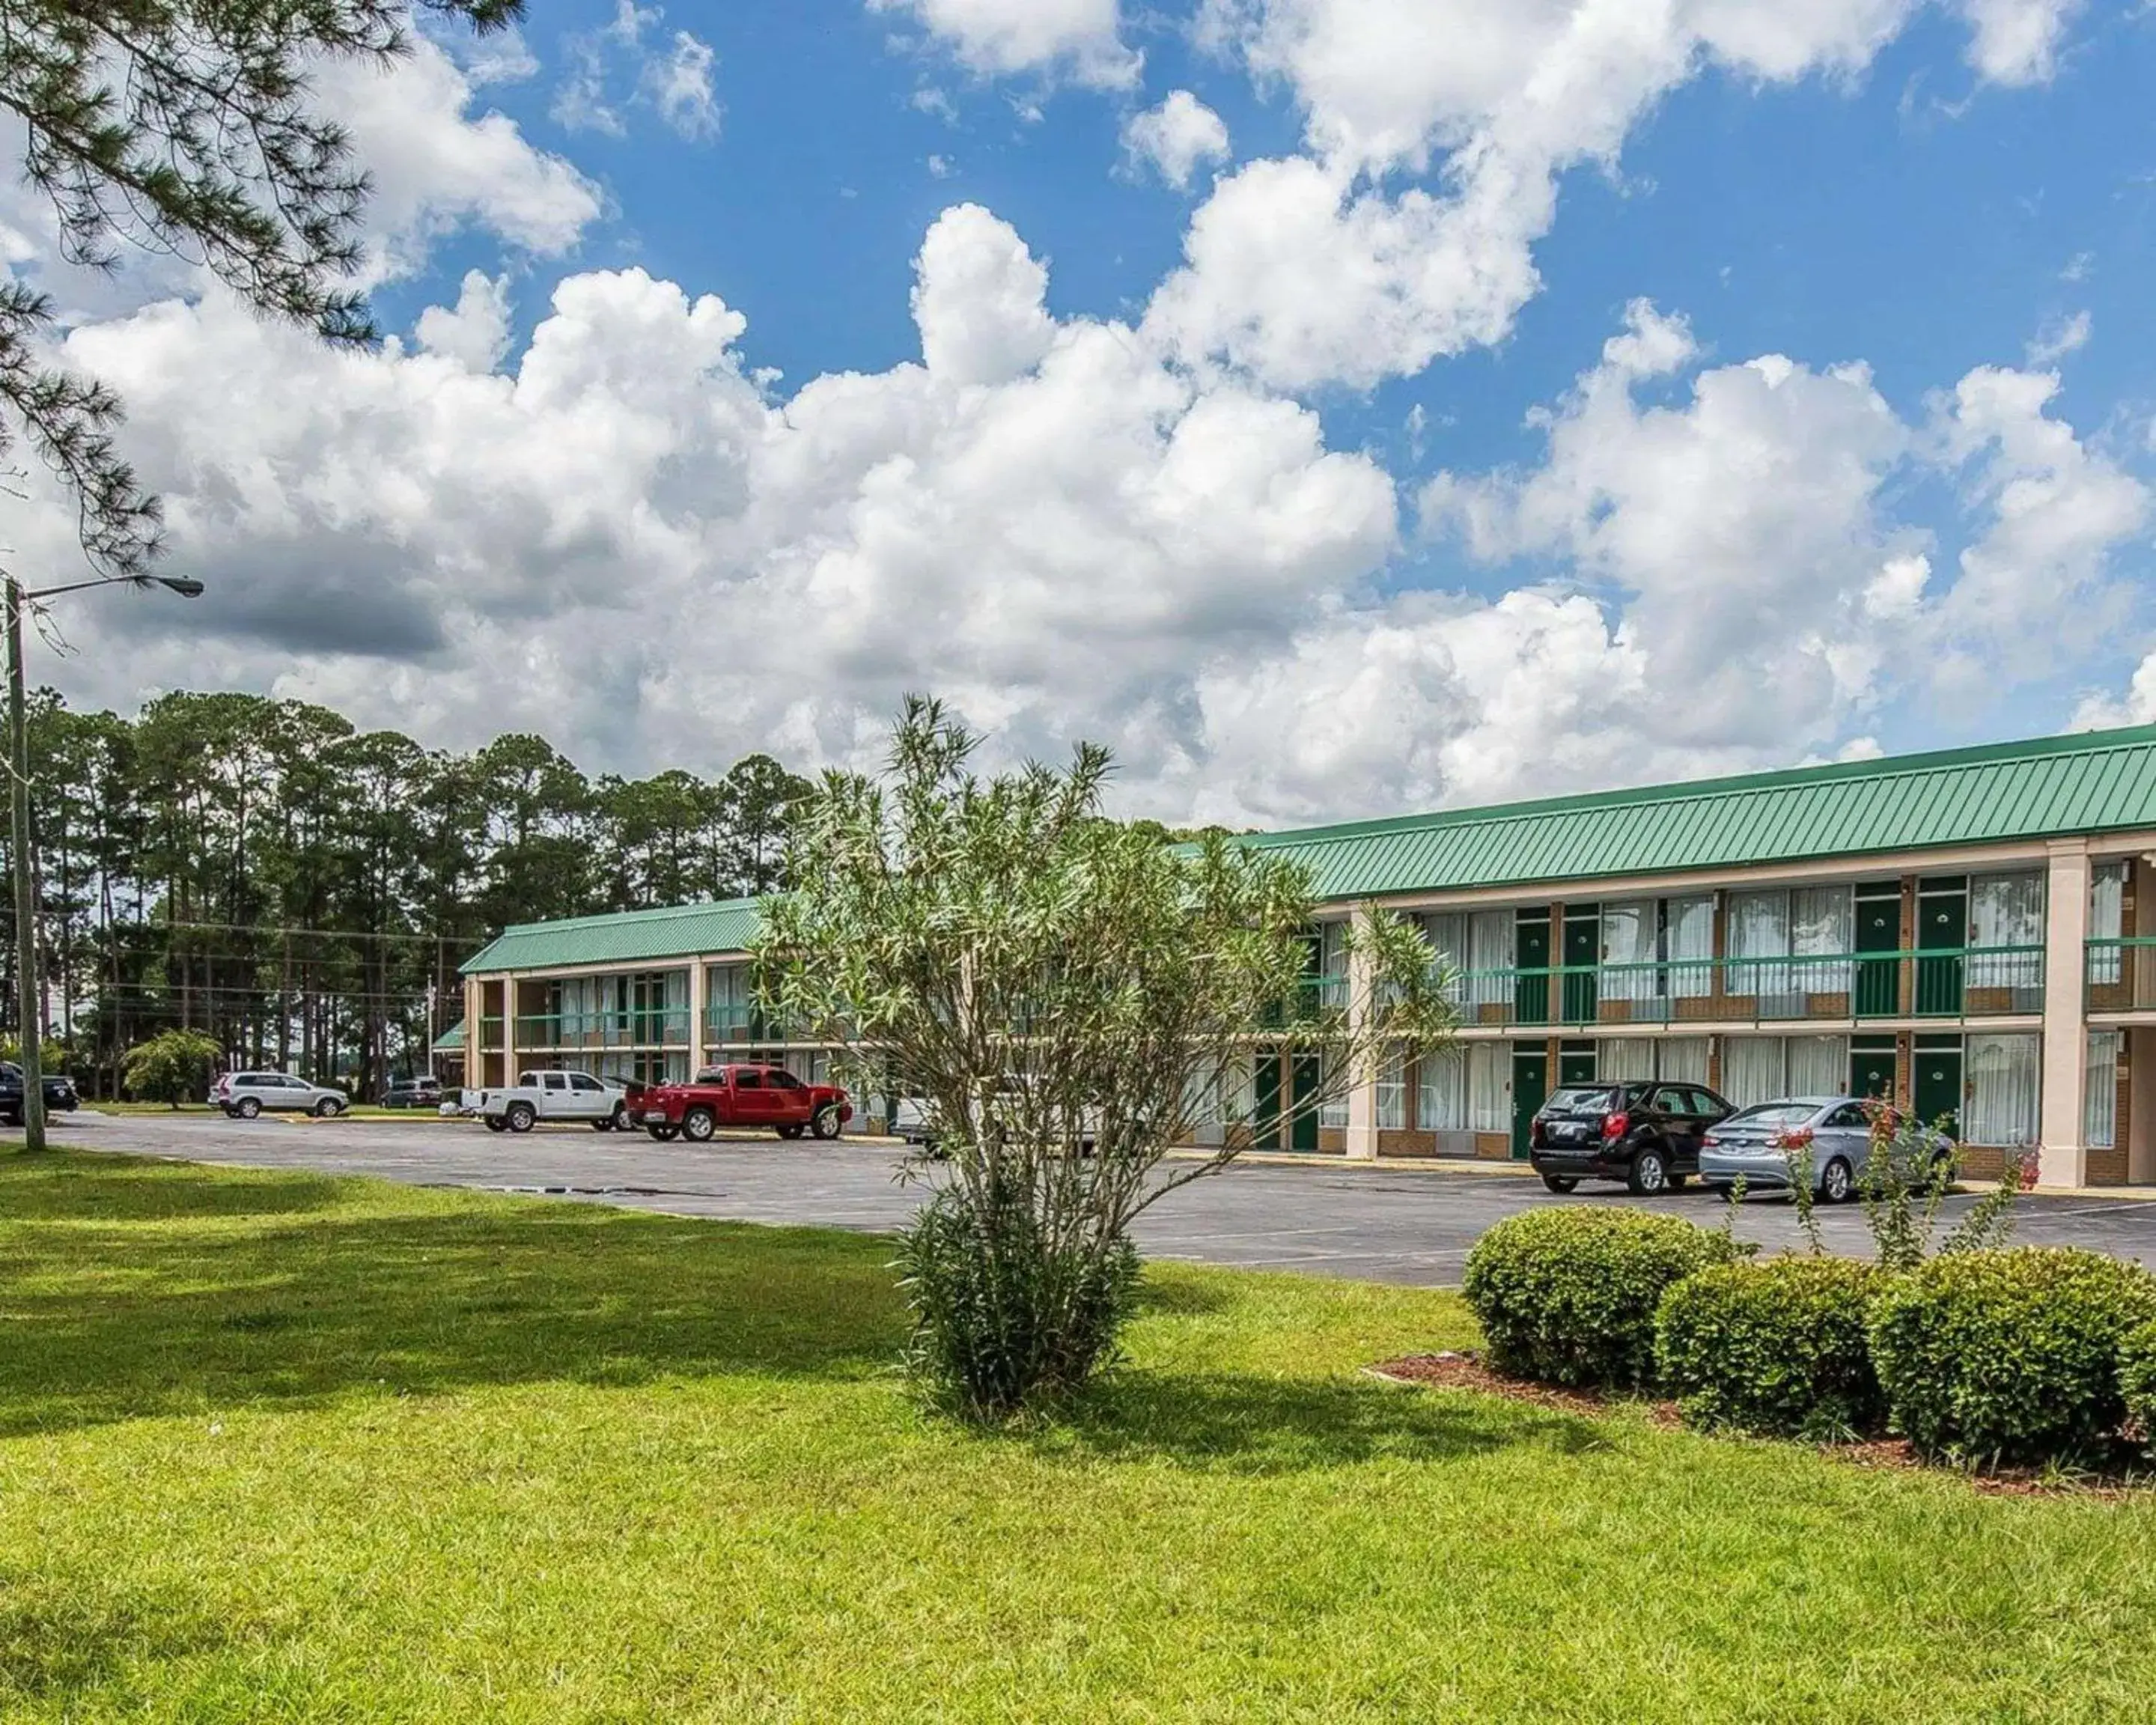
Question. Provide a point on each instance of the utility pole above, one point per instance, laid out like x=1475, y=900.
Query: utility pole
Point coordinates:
x=27, y=981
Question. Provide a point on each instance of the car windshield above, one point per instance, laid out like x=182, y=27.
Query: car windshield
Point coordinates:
x=1585, y=1100
x=1773, y=1114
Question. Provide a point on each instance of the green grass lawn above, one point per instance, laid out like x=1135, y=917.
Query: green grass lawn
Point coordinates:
x=283, y=1447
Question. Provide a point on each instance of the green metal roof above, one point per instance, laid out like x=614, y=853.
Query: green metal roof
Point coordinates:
x=625, y=938
x=451, y=1040
x=2093, y=782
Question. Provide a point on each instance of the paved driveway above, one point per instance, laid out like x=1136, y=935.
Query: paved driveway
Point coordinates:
x=1382, y=1223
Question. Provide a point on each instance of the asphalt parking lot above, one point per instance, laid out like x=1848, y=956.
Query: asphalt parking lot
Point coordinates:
x=1412, y=1225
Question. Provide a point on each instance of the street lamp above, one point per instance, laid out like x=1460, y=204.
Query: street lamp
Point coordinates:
x=29, y=984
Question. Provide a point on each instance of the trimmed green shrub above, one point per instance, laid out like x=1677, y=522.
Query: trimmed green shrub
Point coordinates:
x=1777, y=1347
x=2008, y=1357
x=1567, y=1295
x=2137, y=1380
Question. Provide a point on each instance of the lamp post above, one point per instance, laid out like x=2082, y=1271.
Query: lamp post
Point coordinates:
x=29, y=984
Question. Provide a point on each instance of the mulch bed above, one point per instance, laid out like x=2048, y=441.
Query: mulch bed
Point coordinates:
x=1466, y=1370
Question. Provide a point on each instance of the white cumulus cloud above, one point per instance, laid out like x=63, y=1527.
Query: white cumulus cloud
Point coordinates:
x=1081, y=38
x=1177, y=138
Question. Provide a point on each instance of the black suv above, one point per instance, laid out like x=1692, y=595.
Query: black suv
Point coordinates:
x=1644, y=1133
x=60, y=1097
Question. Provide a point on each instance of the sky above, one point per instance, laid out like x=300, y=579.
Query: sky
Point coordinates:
x=1338, y=408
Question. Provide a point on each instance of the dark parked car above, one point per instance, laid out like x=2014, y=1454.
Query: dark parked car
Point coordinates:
x=421, y=1091
x=1645, y=1134
x=58, y=1089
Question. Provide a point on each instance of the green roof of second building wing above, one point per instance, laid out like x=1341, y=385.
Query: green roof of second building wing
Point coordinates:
x=2093, y=782
x=624, y=938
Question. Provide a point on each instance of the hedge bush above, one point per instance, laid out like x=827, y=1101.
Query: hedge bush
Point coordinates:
x=1778, y=1348
x=2008, y=1357
x=1568, y=1295
x=2137, y=1380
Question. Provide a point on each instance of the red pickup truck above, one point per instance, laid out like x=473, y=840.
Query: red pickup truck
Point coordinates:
x=743, y=1096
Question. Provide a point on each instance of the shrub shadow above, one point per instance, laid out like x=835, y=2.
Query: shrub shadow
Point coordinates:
x=53, y=1644
x=1240, y=1423
x=102, y=1323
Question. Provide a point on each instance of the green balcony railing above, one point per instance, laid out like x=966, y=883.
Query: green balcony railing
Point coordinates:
x=2120, y=973
x=1945, y=982
x=655, y=1027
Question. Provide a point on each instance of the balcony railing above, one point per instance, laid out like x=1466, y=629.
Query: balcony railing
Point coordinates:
x=1944, y=983
x=656, y=1027
x=2121, y=973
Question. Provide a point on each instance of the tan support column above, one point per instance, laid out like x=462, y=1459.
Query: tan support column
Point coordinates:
x=474, y=1040
x=2064, y=1160
x=1362, y=1007
x=699, y=969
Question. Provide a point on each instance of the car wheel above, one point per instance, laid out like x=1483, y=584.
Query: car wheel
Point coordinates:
x=791, y=1129
x=1651, y=1173
x=246, y=1107
x=1560, y=1184
x=328, y=1108
x=496, y=1123
x=618, y=1121
x=662, y=1134
x=522, y=1116
x=826, y=1124
x=698, y=1125
x=1837, y=1182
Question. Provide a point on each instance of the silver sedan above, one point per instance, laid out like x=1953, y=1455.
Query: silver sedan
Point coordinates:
x=1758, y=1144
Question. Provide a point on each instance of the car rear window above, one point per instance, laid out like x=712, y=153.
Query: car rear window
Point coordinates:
x=1772, y=1114
x=1586, y=1100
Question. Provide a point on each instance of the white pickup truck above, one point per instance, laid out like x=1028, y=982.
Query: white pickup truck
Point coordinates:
x=602, y=1103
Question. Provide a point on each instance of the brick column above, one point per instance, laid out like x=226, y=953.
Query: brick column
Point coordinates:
x=1362, y=1007
x=2063, y=1160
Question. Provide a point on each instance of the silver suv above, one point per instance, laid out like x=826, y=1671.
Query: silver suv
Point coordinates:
x=245, y=1094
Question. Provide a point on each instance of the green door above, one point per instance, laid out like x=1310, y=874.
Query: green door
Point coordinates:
x=1575, y=1062
x=1942, y=924
x=1302, y=1129
x=1878, y=929
x=1264, y=1121
x=1530, y=1090
x=1583, y=952
x=1871, y=1066
x=1531, y=953
x=1937, y=1092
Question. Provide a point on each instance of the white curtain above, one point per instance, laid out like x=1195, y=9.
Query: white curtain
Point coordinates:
x=1393, y=1090
x=2006, y=911
x=1627, y=950
x=2001, y=1081
x=1622, y=1059
x=1491, y=956
x=1442, y=1106
x=2107, y=921
x=2100, y=1091
x=1332, y=964
x=1333, y=1112
x=1822, y=924
x=1758, y=928
x=1818, y=1066
x=1681, y=1060
x=1490, y=1087
x=1446, y=931
x=1688, y=934
x=1754, y=1069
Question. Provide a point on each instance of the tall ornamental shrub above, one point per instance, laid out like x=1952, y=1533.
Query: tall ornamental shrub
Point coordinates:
x=1568, y=1295
x=1777, y=1348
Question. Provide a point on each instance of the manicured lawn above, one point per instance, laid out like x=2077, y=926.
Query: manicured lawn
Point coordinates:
x=281, y=1447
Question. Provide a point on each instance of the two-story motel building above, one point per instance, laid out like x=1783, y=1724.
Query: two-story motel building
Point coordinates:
x=1964, y=931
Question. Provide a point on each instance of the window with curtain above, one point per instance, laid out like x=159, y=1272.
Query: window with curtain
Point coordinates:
x=2001, y=1074
x=1823, y=929
x=2107, y=922
x=1622, y=1059
x=1393, y=1090
x=1818, y=1066
x=1332, y=964
x=1688, y=934
x=1491, y=955
x=2005, y=910
x=1681, y=1060
x=1446, y=931
x=1754, y=1069
x=2100, y=1091
x=1489, y=1087
x=1627, y=950
x=1758, y=929
x=1441, y=1104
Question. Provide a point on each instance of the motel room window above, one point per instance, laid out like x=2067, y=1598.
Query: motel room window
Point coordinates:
x=1441, y=1107
x=2100, y=1091
x=1490, y=1087
x=2006, y=911
x=1393, y=1090
x=2107, y=922
x=2001, y=1075
x=1761, y=1069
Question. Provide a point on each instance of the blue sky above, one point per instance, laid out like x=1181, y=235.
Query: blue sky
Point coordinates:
x=1448, y=549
